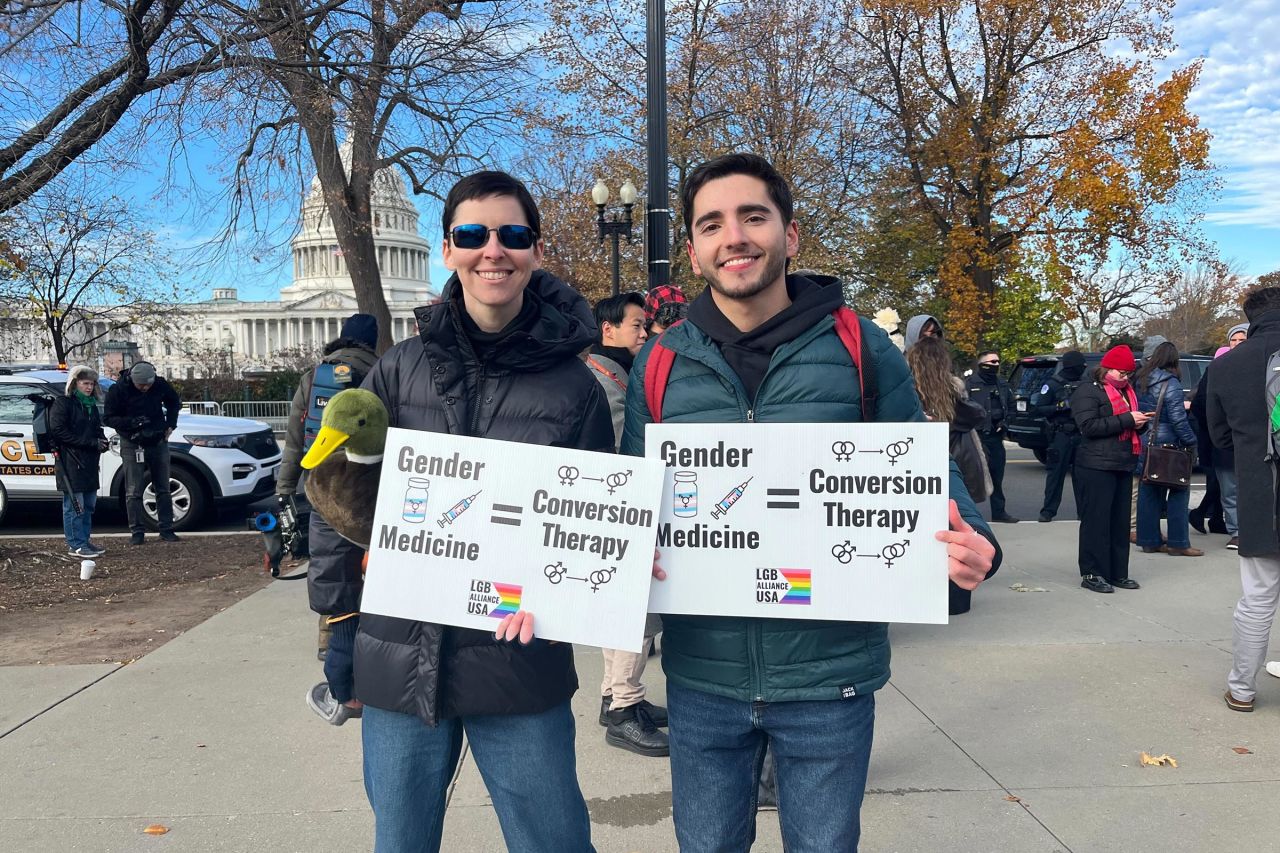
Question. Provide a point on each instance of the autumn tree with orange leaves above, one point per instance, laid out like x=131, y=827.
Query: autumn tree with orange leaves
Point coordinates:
x=1031, y=125
x=756, y=76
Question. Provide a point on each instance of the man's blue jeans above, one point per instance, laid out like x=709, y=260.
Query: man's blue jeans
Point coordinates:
x=1174, y=504
x=527, y=762
x=717, y=747
x=1230, y=493
x=78, y=526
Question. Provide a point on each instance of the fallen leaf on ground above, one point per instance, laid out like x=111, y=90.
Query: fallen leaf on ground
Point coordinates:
x=1242, y=750
x=156, y=829
x=1156, y=761
x=1019, y=587
x=1011, y=798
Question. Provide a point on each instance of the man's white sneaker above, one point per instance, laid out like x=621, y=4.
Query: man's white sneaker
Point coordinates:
x=1273, y=668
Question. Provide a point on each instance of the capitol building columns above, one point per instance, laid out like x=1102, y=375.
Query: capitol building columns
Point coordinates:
x=309, y=312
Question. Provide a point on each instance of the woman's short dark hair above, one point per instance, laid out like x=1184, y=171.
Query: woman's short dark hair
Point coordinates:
x=737, y=164
x=486, y=184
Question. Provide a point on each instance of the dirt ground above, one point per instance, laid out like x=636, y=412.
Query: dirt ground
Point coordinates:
x=139, y=597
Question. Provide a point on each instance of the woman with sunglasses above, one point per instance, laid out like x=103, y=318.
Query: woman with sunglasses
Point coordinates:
x=1106, y=412
x=497, y=357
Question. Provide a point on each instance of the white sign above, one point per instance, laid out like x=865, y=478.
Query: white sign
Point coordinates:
x=803, y=521
x=469, y=530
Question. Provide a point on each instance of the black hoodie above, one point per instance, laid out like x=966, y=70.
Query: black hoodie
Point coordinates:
x=749, y=353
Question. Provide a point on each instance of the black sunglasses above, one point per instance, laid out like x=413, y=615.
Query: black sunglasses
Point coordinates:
x=476, y=236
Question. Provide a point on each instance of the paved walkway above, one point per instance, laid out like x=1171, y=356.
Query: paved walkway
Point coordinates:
x=1046, y=696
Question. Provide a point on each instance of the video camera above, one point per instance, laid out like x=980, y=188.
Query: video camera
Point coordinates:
x=284, y=532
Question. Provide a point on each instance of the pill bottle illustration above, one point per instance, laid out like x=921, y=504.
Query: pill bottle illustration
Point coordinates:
x=684, y=494
x=415, y=500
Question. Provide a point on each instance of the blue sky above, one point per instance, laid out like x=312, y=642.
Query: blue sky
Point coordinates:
x=1238, y=101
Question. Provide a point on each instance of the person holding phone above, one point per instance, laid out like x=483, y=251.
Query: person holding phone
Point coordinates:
x=1106, y=413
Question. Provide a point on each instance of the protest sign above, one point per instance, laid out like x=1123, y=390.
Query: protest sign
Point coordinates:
x=469, y=530
x=803, y=521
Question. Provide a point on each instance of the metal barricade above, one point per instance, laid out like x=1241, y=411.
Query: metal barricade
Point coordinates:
x=274, y=412
x=202, y=407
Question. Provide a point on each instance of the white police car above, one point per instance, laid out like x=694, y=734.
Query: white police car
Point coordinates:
x=213, y=460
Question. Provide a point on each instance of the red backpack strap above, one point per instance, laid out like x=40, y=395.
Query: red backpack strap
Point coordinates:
x=656, y=373
x=849, y=328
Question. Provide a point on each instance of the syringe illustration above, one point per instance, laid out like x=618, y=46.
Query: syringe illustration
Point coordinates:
x=722, y=505
x=456, y=510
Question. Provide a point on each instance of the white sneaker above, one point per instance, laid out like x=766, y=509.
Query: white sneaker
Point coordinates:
x=1273, y=668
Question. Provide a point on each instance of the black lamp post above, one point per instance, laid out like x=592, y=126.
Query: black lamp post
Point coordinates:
x=614, y=226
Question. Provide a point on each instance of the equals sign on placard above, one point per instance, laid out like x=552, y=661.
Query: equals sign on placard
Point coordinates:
x=782, y=493
x=503, y=519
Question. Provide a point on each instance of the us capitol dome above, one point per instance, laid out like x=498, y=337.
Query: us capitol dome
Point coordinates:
x=308, y=314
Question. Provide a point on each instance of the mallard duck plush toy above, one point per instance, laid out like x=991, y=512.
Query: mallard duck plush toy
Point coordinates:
x=346, y=461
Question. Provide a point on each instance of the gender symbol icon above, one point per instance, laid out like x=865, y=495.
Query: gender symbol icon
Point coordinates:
x=556, y=572
x=843, y=450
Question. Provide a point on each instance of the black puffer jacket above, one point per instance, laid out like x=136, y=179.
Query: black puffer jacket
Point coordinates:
x=533, y=388
x=76, y=432
x=1100, y=427
x=1238, y=421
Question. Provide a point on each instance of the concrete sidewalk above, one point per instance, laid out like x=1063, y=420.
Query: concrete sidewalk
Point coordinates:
x=1046, y=696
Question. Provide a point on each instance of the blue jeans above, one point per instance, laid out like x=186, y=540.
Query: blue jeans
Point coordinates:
x=1229, y=489
x=1174, y=504
x=77, y=526
x=717, y=748
x=527, y=762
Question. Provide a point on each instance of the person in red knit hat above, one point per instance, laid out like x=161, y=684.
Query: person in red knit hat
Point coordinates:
x=1105, y=411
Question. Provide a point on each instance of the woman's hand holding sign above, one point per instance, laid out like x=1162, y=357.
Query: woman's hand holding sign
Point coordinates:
x=969, y=553
x=517, y=626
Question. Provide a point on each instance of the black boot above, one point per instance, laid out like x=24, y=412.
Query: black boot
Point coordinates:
x=630, y=728
x=1196, y=519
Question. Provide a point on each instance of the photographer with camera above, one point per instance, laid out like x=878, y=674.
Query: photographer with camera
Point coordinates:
x=143, y=410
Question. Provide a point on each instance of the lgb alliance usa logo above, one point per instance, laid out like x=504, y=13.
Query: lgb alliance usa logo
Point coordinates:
x=784, y=586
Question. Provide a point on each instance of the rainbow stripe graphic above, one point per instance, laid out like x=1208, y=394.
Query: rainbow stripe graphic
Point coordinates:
x=801, y=583
x=510, y=595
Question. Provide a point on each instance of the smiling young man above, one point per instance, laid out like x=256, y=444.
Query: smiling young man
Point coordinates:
x=497, y=357
x=760, y=345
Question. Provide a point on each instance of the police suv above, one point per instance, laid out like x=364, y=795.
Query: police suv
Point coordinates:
x=213, y=460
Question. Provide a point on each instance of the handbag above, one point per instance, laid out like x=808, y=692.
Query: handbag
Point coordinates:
x=1166, y=464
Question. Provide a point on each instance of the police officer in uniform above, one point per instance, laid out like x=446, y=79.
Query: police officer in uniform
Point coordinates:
x=1053, y=402
x=987, y=388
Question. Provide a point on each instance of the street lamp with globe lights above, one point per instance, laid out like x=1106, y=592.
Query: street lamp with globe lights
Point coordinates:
x=615, y=227
x=229, y=342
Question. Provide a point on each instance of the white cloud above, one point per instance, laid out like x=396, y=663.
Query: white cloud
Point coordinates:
x=1238, y=101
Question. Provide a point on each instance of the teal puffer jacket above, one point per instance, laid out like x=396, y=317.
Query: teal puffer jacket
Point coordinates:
x=810, y=380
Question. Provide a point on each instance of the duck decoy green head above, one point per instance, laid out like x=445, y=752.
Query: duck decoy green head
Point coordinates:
x=355, y=418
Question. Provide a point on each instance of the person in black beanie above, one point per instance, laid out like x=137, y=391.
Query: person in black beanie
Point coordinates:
x=143, y=409
x=1053, y=403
